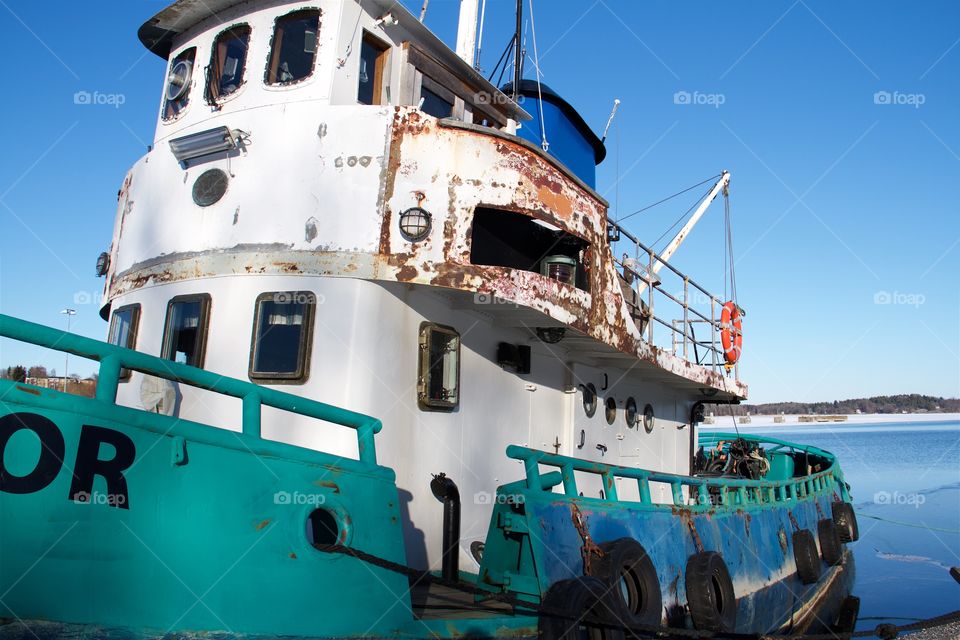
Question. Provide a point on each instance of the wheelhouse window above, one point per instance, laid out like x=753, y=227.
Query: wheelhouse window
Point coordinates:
x=123, y=330
x=282, y=335
x=185, y=333
x=373, y=67
x=176, y=93
x=227, y=63
x=293, y=51
x=435, y=100
x=438, y=383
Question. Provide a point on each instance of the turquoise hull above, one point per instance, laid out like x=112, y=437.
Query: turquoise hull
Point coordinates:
x=120, y=523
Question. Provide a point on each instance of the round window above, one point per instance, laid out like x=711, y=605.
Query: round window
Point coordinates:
x=611, y=410
x=630, y=412
x=589, y=399
x=210, y=187
x=648, y=418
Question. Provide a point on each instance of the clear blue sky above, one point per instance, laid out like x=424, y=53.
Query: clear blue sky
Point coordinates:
x=835, y=197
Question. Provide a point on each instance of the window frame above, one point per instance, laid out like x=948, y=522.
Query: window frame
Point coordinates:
x=306, y=341
x=424, y=340
x=381, y=66
x=204, y=326
x=273, y=55
x=125, y=374
x=174, y=60
x=215, y=97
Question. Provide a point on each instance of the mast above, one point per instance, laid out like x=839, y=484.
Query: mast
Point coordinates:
x=467, y=30
x=518, y=52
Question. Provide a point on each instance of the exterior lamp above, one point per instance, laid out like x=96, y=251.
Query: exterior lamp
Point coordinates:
x=415, y=224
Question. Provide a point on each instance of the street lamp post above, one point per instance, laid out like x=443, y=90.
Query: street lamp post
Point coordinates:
x=66, y=358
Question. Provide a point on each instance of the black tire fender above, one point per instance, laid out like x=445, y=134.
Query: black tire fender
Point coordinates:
x=831, y=547
x=806, y=557
x=710, y=596
x=631, y=582
x=846, y=521
x=848, y=615
x=570, y=605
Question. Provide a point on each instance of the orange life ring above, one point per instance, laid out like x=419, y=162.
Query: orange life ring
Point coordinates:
x=731, y=332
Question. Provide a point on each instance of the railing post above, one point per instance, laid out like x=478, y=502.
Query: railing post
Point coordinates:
x=251, y=415
x=650, y=285
x=107, y=379
x=569, y=480
x=532, y=468
x=644, y=486
x=366, y=448
x=610, y=485
x=713, y=333
x=686, y=313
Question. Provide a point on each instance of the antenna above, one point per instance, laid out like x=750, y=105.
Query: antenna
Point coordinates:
x=613, y=114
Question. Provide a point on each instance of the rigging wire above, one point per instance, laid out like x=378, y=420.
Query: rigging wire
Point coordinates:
x=680, y=219
x=544, y=143
x=679, y=193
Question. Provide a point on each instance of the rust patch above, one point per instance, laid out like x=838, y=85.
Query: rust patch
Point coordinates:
x=793, y=521
x=293, y=556
x=589, y=548
x=262, y=524
x=328, y=484
x=35, y=392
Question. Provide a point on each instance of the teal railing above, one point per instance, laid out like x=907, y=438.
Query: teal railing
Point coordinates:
x=702, y=492
x=113, y=358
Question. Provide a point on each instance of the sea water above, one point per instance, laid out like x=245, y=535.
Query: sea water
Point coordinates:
x=905, y=481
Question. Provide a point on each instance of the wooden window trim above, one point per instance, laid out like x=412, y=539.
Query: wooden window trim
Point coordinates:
x=304, y=350
x=382, y=64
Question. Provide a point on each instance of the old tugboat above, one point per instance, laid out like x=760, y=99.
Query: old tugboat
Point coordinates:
x=338, y=210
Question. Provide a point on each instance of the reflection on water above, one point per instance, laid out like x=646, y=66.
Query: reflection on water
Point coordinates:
x=905, y=480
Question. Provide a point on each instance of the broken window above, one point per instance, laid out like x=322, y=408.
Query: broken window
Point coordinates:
x=123, y=330
x=282, y=335
x=179, y=81
x=185, y=333
x=227, y=63
x=294, y=48
x=507, y=239
x=373, y=68
x=438, y=384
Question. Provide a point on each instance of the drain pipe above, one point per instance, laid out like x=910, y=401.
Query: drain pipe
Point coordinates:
x=445, y=490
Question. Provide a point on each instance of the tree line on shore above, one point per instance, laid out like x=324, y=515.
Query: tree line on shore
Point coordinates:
x=909, y=403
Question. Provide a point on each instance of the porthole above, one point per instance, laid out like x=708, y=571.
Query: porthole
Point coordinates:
x=323, y=530
x=589, y=399
x=630, y=412
x=648, y=418
x=210, y=187
x=610, y=410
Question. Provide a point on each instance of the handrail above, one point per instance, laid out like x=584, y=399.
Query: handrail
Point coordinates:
x=679, y=338
x=113, y=358
x=705, y=492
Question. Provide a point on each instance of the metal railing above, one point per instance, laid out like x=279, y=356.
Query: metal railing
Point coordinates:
x=113, y=358
x=701, y=492
x=694, y=304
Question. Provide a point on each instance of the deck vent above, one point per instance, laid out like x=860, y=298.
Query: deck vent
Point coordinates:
x=560, y=268
x=205, y=143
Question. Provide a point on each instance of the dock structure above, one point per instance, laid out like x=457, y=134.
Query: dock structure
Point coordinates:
x=824, y=418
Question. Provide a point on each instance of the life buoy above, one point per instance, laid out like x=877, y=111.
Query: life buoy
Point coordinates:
x=731, y=331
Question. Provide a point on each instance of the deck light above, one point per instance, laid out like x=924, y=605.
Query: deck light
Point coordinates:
x=415, y=224
x=197, y=145
x=551, y=335
x=103, y=264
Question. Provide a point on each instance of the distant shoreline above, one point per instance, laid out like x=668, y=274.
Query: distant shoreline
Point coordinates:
x=724, y=422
